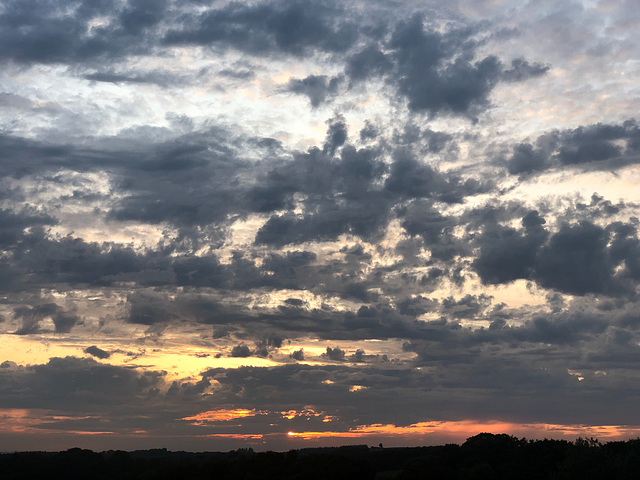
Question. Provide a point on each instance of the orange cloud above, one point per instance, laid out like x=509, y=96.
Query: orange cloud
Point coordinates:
x=221, y=415
x=306, y=412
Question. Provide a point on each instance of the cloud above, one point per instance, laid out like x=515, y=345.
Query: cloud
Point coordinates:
x=160, y=78
x=507, y=254
x=97, y=352
x=469, y=306
x=601, y=146
x=522, y=70
x=267, y=27
x=526, y=160
x=298, y=355
x=436, y=72
x=415, y=179
x=76, y=384
x=367, y=63
x=576, y=261
x=43, y=32
x=335, y=354
x=318, y=88
x=32, y=316
x=241, y=350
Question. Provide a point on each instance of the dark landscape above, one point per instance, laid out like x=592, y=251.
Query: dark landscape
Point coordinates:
x=483, y=456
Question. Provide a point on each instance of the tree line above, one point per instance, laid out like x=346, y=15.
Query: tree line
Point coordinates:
x=484, y=456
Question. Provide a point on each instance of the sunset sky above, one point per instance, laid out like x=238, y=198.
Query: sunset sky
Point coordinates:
x=279, y=224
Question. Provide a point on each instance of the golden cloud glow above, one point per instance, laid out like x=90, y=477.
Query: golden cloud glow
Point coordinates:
x=221, y=415
x=306, y=412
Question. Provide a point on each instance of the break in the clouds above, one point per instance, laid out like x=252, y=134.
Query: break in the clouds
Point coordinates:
x=277, y=223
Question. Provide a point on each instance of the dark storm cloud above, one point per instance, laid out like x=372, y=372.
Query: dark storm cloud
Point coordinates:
x=73, y=261
x=48, y=32
x=507, y=254
x=396, y=195
x=601, y=146
x=580, y=258
x=422, y=218
x=342, y=192
x=598, y=207
x=368, y=132
x=595, y=143
x=318, y=88
x=576, y=261
x=146, y=309
x=460, y=87
x=436, y=72
x=526, y=159
x=416, y=306
x=32, y=316
x=285, y=265
x=154, y=178
x=14, y=225
x=412, y=178
x=75, y=384
x=369, y=62
x=365, y=218
x=139, y=15
x=291, y=27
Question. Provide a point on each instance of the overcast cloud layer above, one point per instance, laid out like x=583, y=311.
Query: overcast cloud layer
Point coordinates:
x=223, y=222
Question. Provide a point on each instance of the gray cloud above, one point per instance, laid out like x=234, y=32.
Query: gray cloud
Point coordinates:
x=266, y=27
x=32, y=316
x=97, y=352
x=241, y=350
x=507, y=254
x=576, y=261
x=318, y=88
x=601, y=146
x=44, y=32
x=522, y=70
x=75, y=384
x=335, y=354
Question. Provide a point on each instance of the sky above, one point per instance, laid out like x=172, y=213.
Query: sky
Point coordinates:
x=281, y=224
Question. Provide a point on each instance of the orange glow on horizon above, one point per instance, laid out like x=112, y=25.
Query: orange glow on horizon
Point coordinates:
x=235, y=436
x=468, y=428
x=43, y=422
x=21, y=420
